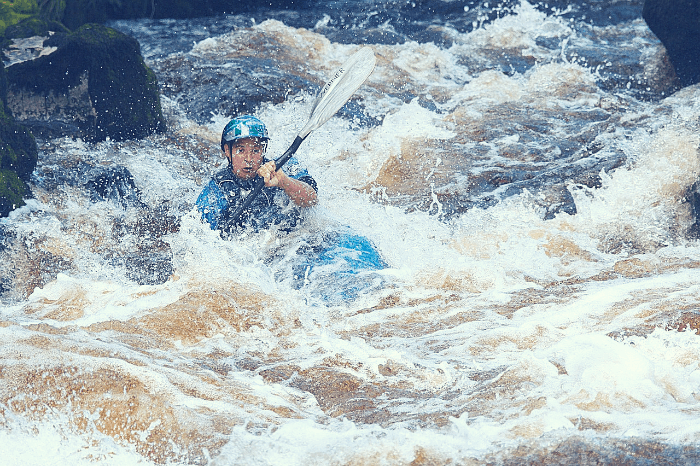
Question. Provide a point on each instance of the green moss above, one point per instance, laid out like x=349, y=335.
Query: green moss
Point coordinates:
x=3, y=93
x=12, y=192
x=34, y=26
x=52, y=10
x=14, y=12
x=18, y=151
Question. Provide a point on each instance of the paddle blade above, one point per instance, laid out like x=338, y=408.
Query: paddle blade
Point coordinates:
x=340, y=88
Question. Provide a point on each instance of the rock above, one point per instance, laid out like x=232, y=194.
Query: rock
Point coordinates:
x=149, y=266
x=76, y=13
x=12, y=192
x=25, y=40
x=114, y=184
x=94, y=85
x=17, y=150
x=677, y=25
x=538, y=161
x=6, y=236
x=148, y=261
x=693, y=199
x=18, y=157
x=126, y=9
x=34, y=26
x=241, y=87
x=556, y=199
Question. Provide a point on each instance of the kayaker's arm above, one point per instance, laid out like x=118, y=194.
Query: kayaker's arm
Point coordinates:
x=299, y=192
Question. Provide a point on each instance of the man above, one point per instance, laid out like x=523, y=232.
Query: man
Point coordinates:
x=243, y=143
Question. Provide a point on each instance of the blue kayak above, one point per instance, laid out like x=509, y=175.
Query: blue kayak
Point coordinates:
x=336, y=265
x=357, y=252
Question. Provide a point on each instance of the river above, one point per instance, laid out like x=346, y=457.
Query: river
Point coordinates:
x=527, y=173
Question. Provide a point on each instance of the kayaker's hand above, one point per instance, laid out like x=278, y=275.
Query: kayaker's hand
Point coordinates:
x=299, y=192
x=269, y=174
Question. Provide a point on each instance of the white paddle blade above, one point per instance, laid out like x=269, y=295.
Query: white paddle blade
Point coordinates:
x=340, y=88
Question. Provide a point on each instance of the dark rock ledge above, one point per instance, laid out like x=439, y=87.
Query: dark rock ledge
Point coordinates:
x=91, y=83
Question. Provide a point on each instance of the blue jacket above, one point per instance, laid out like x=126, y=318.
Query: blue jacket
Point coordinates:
x=219, y=199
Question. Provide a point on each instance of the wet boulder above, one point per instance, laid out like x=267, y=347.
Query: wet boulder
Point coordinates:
x=34, y=26
x=146, y=257
x=677, y=25
x=249, y=79
x=148, y=260
x=11, y=192
x=189, y=8
x=693, y=199
x=94, y=85
x=448, y=177
x=18, y=157
x=115, y=184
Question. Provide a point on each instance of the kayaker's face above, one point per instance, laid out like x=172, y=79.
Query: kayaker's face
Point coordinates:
x=246, y=157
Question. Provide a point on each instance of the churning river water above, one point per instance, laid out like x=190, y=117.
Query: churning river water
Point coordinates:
x=528, y=175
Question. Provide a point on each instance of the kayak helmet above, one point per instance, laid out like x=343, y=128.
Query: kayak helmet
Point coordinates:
x=246, y=126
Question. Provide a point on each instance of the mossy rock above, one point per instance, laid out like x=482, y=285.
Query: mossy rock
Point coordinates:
x=34, y=26
x=3, y=94
x=15, y=11
x=18, y=150
x=122, y=90
x=18, y=156
x=12, y=192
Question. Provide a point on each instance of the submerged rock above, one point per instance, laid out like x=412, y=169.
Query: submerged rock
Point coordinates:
x=114, y=184
x=448, y=177
x=95, y=85
x=148, y=259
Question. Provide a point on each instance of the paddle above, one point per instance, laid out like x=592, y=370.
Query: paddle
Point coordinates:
x=334, y=94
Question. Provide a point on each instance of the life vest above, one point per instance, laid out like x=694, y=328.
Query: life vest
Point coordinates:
x=224, y=193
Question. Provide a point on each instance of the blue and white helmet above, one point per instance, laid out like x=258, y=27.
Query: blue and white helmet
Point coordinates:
x=246, y=126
